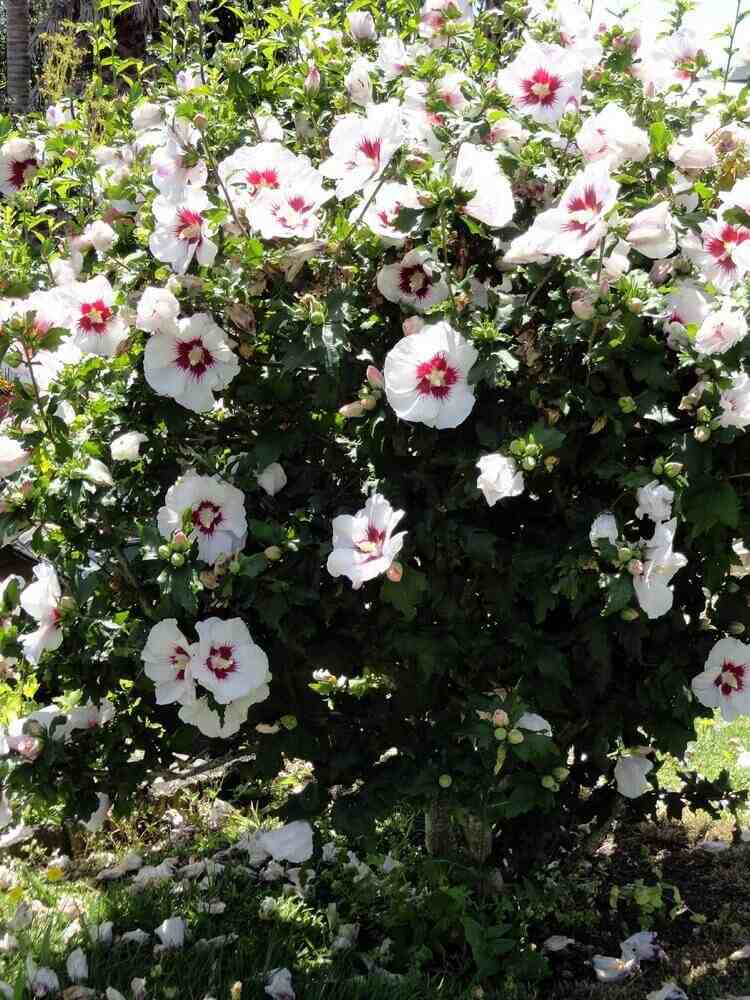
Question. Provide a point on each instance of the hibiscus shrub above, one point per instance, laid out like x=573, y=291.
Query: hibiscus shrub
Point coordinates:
x=376, y=397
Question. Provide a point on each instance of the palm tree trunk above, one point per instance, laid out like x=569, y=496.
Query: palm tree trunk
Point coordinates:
x=18, y=55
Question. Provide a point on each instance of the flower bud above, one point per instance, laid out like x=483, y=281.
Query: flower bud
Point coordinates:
x=180, y=541
x=67, y=603
x=583, y=308
x=630, y=615
x=515, y=736
x=658, y=467
x=351, y=409
x=369, y=402
x=375, y=377
x=625, y=554
x=412, y=325
x=702, y=434
x=445, y=781
x=499, y=717
x=704, y=414
x=550, y=462
x=673, y=469
x=517, y=447
x=735, y=628
x=528, y=462
x=289, y=722
x=501, y=733
x=317, y=317
x=561, y=774
x=362, y=26
x=177, y=559
x=626, y=403
x=246, y=351
x=549, y=783
x=395, y=572
x=312, y=80
x=635, y=567
x=636, y=306
x=200, y=121
x=164, y=552
x=70, y=153
x=273, y=553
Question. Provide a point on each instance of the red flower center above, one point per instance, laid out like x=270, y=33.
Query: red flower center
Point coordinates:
x=221, y=662
x=436, y=377
x=94, y=317
x=372, y=545
x=262, y=178
x=371, y=149
x=189, y=226
x=20, y=171
x=414, y=281
x=587, y=208
x=540, y=88
x=731, y=679
x=179, y=660
x=207, y=516
x=193, y=357
x=722, y=246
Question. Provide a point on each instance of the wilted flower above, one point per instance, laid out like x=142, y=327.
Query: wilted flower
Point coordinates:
x=127, y=447
x=292, y=842
x=171, y=932
x=654, y=501
x=661, y=562
x=630, y=775
x=77, y=966
x=652, y=231
x=272, y=479
x=499, y=477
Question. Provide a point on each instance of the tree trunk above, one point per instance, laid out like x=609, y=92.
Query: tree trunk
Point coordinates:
x=18, y=55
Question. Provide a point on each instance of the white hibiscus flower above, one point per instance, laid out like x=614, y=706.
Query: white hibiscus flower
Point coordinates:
x=227, y=662
x=725, y=680
x=166, y=658
x=209, y=511
x=426, y=377
x=364, y=545
x=190, y=362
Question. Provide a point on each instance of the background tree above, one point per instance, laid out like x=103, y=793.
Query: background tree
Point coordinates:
x=18, y=55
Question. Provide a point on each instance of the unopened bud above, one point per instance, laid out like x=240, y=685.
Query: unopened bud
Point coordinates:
x=200, y=121
x=704, y=414
x=629, y=615
x=67, y=603
x=735, y=628
x=289, y=722
x=658, y=467
x=635, y=567
x=180, y=541
x=412, y=325
x=702, y=434
x=501, y=733
x=549, y=783
x=312, y=80
x=673, y=469
x=164, y=552
x=369, y=402
x=273, y=553
x=550, y=462
x=177, y=559
x=395, y=572
x=528, y=462
x=499, y=717
x=583, y=308
x=351, y=409
x=561, y=774
x=375, y=377
x=515, y=736
x=636, y=306
x=70, y=153
x=626, y=403
x=445, y=781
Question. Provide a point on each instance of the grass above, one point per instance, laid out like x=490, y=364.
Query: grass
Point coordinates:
x=420, y=907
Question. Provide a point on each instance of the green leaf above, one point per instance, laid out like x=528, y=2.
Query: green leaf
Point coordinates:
x=406, y=595
x=710, y=505
x=661, y=138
